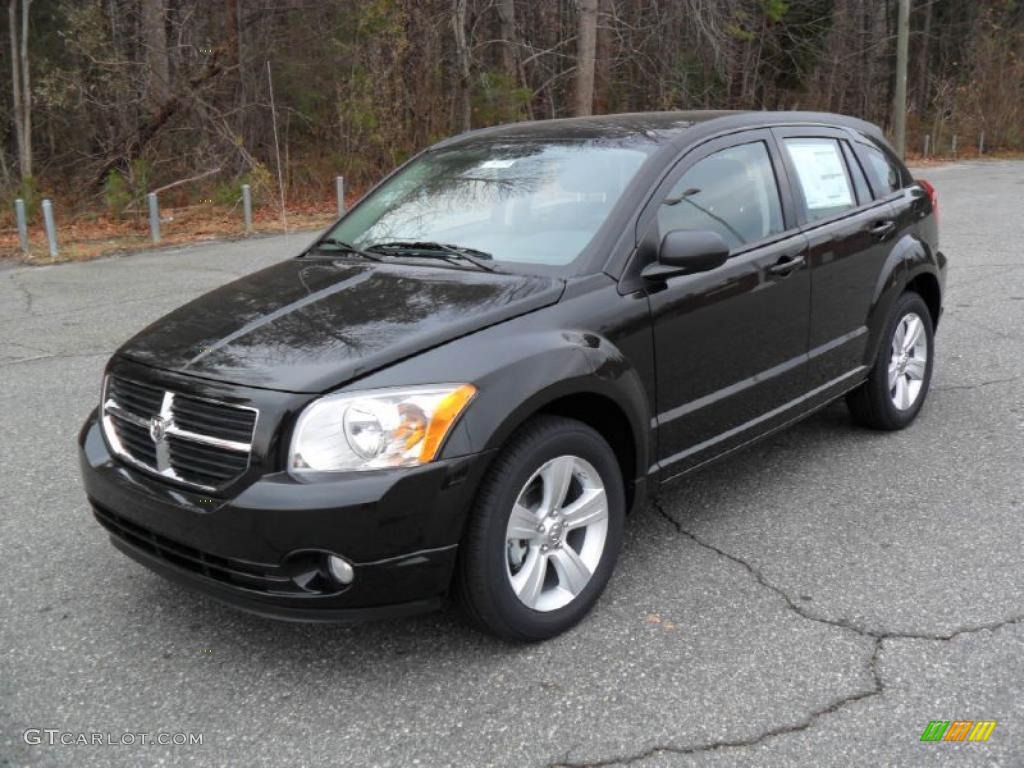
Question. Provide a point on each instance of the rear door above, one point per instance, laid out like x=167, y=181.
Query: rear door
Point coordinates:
x=730, y=343
x=850, y=232
x=891, y=182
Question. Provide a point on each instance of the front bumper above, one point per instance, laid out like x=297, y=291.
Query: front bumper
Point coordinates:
x=398, y=528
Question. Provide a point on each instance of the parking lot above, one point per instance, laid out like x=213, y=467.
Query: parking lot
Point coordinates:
x=814, y=600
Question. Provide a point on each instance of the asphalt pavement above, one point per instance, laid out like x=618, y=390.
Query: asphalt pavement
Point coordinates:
x=814, y=600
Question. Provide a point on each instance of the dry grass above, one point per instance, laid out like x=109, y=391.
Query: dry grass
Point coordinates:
x=969, y=153
x=88, y=236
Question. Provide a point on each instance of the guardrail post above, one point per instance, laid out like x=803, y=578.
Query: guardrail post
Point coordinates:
x=247, y=207
x=954, y=146
x=154, y=216
x=19, y=213
x=51, y=230
x=339, y=183
x=927, y=142
x=981, y=144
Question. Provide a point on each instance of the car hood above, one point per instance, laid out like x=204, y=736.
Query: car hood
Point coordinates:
x=311, y=324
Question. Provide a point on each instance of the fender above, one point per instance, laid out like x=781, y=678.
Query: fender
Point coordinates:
x=524, y=366
x=562, y=364
x=910, y=258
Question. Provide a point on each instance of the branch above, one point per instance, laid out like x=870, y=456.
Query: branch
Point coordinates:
x=179, y=182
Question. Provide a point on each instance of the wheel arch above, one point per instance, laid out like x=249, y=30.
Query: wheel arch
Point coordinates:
x=926, y=285
x=595, y=404
x=608, y=419
x=910, y=265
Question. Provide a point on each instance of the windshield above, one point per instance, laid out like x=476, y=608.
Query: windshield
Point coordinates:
x=527, y=202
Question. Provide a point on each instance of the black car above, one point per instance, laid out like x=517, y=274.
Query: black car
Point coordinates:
x=464, y=386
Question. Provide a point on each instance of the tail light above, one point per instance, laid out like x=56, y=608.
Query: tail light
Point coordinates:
x=932, y=195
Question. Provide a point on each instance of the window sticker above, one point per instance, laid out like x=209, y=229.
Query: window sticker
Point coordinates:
x=822, y=175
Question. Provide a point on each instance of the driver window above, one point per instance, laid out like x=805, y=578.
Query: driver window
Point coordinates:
x=732, y=192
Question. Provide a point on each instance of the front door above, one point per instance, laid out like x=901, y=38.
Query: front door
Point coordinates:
x=730, y=343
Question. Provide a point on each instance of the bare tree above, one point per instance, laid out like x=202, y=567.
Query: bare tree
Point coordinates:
x=21, y=86
x=507, y=30
x=603, y=62
x=231, y=25
x=586, y=52
x=922, y=80
x=154, y=35
x=380, y=80
x=899, y=107
x=463, y=113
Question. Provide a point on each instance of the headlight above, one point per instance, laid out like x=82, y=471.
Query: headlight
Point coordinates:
x=376, y=429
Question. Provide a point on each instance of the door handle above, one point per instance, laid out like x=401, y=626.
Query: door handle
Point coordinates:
x=786, y=265
x=883, y=229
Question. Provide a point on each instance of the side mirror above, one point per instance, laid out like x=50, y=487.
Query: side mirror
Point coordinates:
x=684, y=252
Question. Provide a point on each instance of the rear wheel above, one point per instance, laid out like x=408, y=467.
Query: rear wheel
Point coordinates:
x=545, y=531
x=898, y=382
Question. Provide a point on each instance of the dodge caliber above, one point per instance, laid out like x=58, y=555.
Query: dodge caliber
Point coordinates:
x=462, y=388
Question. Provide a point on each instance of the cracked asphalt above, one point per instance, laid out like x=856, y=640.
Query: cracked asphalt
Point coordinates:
x=814, y=600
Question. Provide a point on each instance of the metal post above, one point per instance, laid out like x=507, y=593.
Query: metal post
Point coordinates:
x=154, y=216
x=19, y=212
x=954, y=145
x=927, y=142
x=981, y=144
x=51, y=230
x=247, y=207
x=339, y=182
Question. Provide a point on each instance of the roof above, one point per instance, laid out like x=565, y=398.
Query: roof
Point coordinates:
x=653, y=125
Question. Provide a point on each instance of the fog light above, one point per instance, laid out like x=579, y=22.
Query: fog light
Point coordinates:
x=340, y=569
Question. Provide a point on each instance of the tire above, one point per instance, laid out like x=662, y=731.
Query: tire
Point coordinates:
x=532, y=588
x=877, y=402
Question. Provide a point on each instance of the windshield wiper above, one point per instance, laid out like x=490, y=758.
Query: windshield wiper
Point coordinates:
x=431, y=250
x=343, y=246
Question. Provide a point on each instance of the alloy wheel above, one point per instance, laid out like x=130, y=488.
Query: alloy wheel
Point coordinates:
x=556, y=533
x=908, y=361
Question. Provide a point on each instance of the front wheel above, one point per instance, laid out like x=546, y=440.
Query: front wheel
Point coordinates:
x=544, y=533
x=898, y=383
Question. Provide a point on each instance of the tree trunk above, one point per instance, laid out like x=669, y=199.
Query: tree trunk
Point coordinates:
x=899, y=102
x=603, y=63
x=231, y=27
x=922, y=85
x=19, y=110
x=26, y=92
x=21, y=86
x=463, y=107
x=154, y=37
x=507, y=32
x=586, y=52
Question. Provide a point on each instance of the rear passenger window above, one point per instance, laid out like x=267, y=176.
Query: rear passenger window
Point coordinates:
x=821, y=174
x=860, y=184
x=732, y=192
x=882, y=172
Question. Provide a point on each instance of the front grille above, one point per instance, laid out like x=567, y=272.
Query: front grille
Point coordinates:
x=140, y=398
x=239, y=573
x=135, y=439
x=213, y=419
x=205, y=465
x=192, y=440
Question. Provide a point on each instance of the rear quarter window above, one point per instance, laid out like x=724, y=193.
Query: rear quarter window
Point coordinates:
x=883, y=173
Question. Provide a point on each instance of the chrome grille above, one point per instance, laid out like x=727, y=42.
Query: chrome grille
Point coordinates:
x=193, y=440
